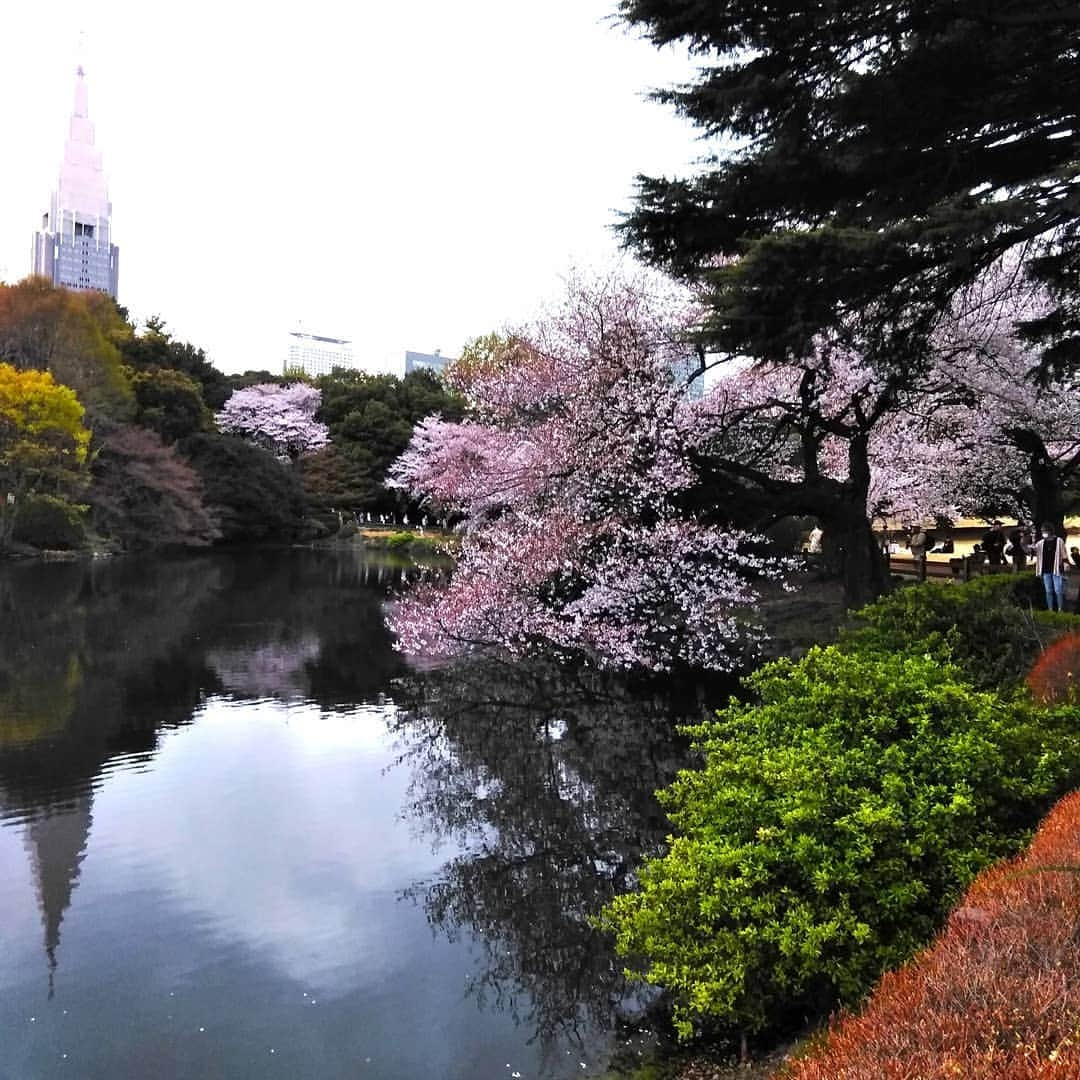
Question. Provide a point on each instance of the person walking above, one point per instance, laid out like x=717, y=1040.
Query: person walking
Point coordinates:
x=1050, y=565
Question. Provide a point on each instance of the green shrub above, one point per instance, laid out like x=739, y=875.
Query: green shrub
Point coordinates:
x=44, y=521
x=399, y=541
x=988, y=627
x=831, y=828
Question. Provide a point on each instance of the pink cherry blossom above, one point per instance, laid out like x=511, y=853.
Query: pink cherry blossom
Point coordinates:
x=568, y=475
x=280, y=419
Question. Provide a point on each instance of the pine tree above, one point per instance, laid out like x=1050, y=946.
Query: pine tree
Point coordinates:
x=876, y=159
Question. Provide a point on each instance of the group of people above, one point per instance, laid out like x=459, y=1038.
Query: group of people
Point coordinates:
x=922, y=542
x=1052, y=562
x=998, y=548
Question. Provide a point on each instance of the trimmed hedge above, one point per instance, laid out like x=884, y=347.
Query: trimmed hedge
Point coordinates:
x=1055, y=677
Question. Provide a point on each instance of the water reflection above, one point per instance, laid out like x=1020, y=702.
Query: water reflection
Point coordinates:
x=55, y=842
x=545, y=778
x=222, y=781
x=98, y=659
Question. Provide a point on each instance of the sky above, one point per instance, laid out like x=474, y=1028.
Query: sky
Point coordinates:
x=406, y=175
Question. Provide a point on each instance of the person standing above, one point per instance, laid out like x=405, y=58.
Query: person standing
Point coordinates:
x=1050, y=565
x=1074, y=558
x=993, y=544
x=1019, y=548
x=918, y=544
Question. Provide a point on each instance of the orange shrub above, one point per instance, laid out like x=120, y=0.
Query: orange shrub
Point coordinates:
x=996, y=997
x=1055, y=677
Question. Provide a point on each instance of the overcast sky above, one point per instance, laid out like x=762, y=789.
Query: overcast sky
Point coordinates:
x=406, y=175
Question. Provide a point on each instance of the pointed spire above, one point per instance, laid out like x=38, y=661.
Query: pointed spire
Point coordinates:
x=81, y=107
x=82, y=179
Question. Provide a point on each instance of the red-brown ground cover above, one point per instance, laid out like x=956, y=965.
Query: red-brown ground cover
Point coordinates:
x=998, y=993
x=1055, y=678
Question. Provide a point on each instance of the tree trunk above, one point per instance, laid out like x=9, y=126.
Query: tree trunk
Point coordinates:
x=864, y=571
x=850, y=548
x=1045, y=502
x=1046, y=494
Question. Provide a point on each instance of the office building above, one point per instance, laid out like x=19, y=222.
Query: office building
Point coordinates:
x=74, y=247
x=687, y=373
x=315, y=354
x=418, y=361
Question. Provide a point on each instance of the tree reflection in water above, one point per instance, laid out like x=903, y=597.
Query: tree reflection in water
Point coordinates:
x=545, y=778
x=99, y=658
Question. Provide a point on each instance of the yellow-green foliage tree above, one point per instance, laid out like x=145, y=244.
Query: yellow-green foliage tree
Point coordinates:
x=43, y=442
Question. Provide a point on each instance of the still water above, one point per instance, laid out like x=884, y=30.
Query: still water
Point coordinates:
x=240, y=838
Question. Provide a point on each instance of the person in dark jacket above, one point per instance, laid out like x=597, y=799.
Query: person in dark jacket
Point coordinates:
x=1020, y=544
x=1074, y=558
x=993, y=543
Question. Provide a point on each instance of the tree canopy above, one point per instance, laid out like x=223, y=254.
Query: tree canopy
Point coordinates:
x=144, y=494
x=169, y=402
x=43, y=443
x=280, y=419
x=875, y=158
x=76, y=336
x=370, y=419
x=155, y=349
x=133, y=390
x=572, y=474
x=249, y=493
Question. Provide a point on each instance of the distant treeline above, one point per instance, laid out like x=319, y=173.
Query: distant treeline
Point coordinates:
x=109, y=436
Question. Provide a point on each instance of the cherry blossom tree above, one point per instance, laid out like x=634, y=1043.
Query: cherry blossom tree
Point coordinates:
x=964, y=429
x=999, y=441
x=599, y=502
x=1019, y=451
x=799, y=437
x=280, y=419
x=571, y=475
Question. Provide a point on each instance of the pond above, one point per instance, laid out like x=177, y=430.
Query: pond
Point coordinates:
x=239, y=837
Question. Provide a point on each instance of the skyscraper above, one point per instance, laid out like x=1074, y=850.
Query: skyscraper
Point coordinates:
x=74, y=247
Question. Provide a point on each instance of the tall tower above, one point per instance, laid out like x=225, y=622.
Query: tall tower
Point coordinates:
x=74, y=247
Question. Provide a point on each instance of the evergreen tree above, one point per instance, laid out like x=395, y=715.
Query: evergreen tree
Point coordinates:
x=370, y=419
x=155, y=349
x=879, y=157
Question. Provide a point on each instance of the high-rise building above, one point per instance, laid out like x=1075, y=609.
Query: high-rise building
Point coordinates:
x=315, y=354
x=418, y=361
x=74, y=247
